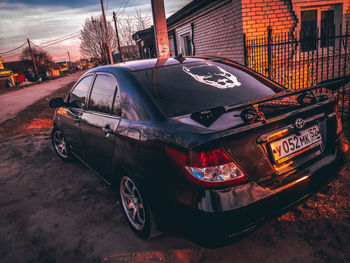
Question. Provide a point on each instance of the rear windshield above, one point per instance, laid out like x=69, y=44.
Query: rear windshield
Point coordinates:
x=183, y=89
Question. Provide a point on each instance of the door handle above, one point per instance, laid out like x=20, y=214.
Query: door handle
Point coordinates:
x=107, y=130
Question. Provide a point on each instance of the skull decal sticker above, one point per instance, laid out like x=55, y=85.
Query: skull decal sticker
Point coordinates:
x=212, y=75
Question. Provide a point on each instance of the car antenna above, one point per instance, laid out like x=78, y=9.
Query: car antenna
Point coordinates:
x=180, y=58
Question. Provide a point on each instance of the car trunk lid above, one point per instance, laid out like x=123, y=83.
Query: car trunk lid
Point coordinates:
x=251, y=145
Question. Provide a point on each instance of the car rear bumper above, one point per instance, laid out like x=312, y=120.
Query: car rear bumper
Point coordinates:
x=213, y=214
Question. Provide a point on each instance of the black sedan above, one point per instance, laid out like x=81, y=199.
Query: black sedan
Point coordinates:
x=202, y=145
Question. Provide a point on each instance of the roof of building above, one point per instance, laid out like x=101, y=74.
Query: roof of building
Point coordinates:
x=187, y=10
x=144, y=32
x=184, y=12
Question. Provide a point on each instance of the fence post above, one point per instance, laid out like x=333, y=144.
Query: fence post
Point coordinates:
x=269, y=51
x=245, y=51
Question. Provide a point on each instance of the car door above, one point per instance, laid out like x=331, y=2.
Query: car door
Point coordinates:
x=99, y=123
x=75, y=106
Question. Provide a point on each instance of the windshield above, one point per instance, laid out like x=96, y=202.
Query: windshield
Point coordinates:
x=186, y=88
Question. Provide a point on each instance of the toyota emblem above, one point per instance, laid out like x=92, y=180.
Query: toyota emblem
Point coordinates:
x=299, y=123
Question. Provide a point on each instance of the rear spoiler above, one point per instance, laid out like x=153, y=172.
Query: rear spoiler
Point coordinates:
x=332, y=85
x=209, y=116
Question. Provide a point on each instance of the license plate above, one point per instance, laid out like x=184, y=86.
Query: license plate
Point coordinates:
x=294, y=145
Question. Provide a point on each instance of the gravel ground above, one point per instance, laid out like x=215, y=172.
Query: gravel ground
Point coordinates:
x=56, y=211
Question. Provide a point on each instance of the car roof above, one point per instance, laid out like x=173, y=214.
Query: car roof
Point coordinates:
x=152, y=63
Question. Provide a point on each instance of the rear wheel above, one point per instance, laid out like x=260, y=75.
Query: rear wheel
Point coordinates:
x=136, y=209
x=59, y=144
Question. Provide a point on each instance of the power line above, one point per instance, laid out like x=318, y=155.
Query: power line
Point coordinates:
x=117, y=13
x=12, y=50
x=107, y=7
x=59, y=41
x=122, y=11
x=53, y=40
x=12, y=56
x=37, y=46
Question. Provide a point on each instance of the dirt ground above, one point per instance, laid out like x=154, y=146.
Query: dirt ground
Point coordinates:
x=17, y=99
x=56, y=211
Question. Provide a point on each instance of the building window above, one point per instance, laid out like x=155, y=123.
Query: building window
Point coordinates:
x=319, y=26
x=327, y=28
x=187, y=45
x=308, y=30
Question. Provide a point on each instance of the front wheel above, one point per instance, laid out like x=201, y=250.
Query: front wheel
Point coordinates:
x=135, y=209
x=59, y=144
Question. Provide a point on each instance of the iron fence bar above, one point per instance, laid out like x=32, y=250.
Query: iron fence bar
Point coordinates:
x=259, y=56
x=327, y=62
x=299, y=69
x=346, y=48
x=245, y=50
x=340, y=49
x=317, y=58
x=295, y=67
x=269, y=38
x=284, y=63
x=345, y=63
x=339, y=60
x=279, y=59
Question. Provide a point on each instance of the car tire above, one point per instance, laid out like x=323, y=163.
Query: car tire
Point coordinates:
x=136, y=209
x=59, y=144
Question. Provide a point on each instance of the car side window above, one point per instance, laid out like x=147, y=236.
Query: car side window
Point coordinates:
x=79, y=93
x=102, y=94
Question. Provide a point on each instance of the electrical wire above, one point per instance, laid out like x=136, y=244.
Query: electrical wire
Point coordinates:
x=59, y=41
x=53, y=40
x=12, y=50
x=11, y=56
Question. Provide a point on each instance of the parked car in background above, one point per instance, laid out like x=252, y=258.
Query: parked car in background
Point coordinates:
x=203, y=145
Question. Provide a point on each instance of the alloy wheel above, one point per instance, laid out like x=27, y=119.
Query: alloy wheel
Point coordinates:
x=132, y=203
x=60, y=144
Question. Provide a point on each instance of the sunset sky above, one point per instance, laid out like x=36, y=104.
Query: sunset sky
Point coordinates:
x=47, y=23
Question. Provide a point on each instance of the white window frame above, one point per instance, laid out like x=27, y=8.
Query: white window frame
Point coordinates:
x=338, y=19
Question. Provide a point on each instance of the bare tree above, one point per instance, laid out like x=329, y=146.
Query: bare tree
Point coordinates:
x=142, y=21
x=93, y=39
x=42, y=58
x=127, y=29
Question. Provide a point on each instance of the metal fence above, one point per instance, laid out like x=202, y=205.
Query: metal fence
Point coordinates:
x=303, y=60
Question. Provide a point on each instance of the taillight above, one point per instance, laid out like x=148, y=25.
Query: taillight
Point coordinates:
x=210, y=169
x=339, y=123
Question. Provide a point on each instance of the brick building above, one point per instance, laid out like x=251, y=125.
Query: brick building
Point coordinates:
x=217, y=27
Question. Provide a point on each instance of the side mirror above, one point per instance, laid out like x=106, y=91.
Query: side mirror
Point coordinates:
x=56, y=103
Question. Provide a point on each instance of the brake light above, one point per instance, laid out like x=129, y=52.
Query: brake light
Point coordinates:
x=339, y=123
x=210, y=169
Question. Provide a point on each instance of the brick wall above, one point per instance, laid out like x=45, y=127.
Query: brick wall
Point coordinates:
x=282, y=15
x=217, y=30
x=259, y=14
x=219, y=26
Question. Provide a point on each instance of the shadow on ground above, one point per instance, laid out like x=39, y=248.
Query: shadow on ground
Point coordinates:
x=60, y=212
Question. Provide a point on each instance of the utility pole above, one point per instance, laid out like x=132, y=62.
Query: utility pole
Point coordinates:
x=103, y=44
x=116, y=31
x=107, y=34
x=34, y=63
x=160, y=29
x=70, y=62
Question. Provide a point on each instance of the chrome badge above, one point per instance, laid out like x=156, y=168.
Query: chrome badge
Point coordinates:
x=299, y=123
